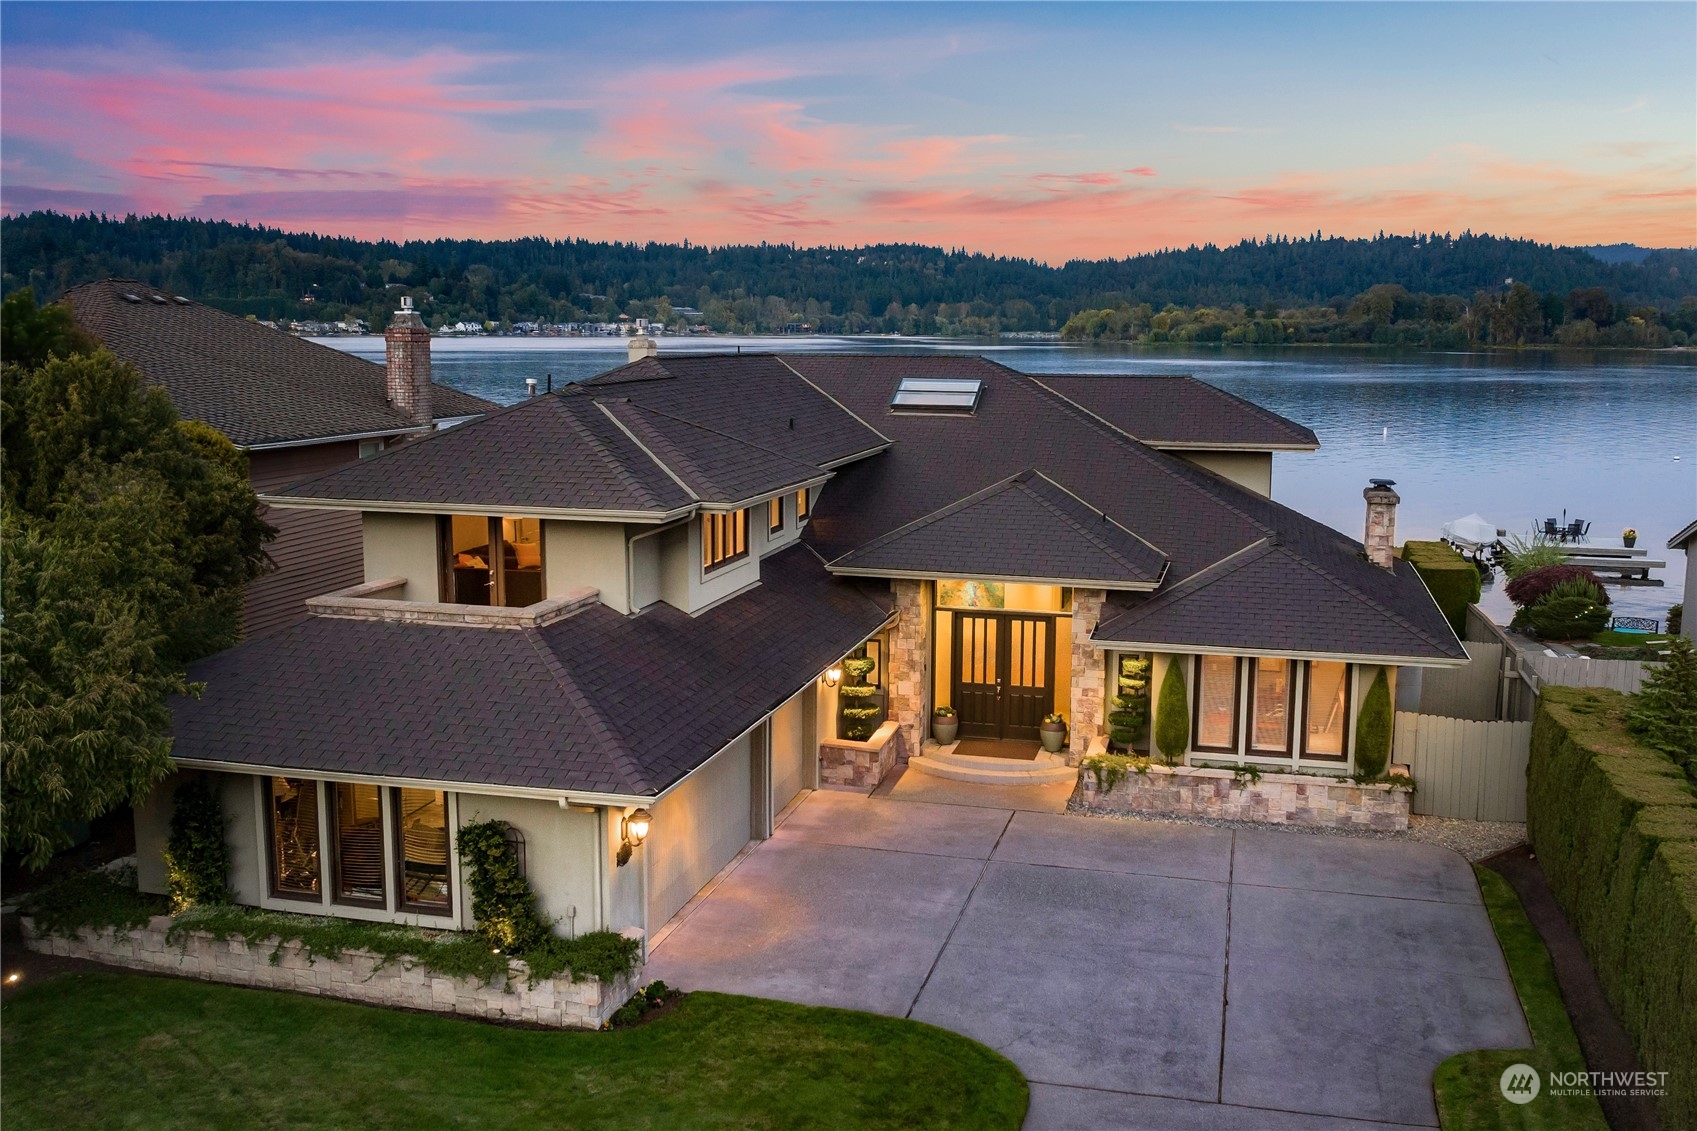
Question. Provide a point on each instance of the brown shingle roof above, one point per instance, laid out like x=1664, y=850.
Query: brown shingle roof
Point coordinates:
x=1180, y=412
x=256, y=385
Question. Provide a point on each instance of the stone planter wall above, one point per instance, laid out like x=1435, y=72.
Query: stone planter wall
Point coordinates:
x=355, y=976
x=1280, y=799
x=845, y=764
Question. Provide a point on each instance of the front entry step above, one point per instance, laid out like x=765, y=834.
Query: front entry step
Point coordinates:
x=942, y=762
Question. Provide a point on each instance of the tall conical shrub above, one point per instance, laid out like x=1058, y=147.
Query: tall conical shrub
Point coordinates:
x=1373, y=729
x=1172, y=718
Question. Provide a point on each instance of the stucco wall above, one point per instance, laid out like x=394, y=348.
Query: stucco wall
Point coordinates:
x=706, y=588
x=403, y=545
x=586, y=553
x=560, y=847
x=1253, y=470
x=789, y=753
x=697, y=828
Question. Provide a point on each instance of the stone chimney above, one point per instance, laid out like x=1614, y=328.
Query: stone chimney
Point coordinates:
x=408, y=369
x=642, y=346
x=1380, y=539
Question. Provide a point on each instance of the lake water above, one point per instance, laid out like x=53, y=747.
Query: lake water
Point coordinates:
x=1606, y=437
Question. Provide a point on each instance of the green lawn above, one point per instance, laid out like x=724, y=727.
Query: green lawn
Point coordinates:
x=120, y=1051
x=1469, y=1098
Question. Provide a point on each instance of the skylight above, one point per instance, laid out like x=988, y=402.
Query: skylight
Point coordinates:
x=937, y=394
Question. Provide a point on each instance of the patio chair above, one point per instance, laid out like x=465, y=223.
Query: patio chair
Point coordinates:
x=1576, y=531
x=1551, y=530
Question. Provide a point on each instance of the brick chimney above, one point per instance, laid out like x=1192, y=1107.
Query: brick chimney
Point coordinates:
x=1380, y=538
x=408, y=369
x=642, y=346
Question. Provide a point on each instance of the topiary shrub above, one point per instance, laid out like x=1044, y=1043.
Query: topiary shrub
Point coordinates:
x=1531, y=587
x=501, y=898
x=1172, y=719
x=1373, y=729
x=1452, y=580
x=1131, y=706
x=1567, y=616
x=197, y=857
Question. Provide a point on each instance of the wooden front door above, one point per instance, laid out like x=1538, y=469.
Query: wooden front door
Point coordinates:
x=1004, y=679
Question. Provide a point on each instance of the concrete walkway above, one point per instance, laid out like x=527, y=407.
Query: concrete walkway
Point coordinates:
x=1141, y=974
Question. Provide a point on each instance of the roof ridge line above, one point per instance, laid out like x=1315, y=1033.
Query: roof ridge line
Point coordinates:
x=649, y=452
x=805, y=380
x=1091, y=534
x=1389, y=614
x=582, y=430
x=582, y=702
x=1256, y=550
x=926, y=519
x=1155, y=458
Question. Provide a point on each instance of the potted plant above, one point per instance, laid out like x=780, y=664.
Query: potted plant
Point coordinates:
x=945, y=724
x=1053, y=732
x=1629, y=537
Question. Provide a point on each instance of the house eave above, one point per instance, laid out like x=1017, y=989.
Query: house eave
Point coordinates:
x=1278, y=653
x=343, y=437
x=764, y=496
x=1016, y=579
x=296, y=502
x=565, y=796
x=1247, y=449
x=832, y=465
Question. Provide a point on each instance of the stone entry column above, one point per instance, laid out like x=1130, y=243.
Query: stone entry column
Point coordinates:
x=907, y=660
x=1088, y=674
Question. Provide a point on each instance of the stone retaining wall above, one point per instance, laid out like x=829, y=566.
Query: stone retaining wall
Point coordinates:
x=557, y=1002
x=845, y=764
x=1280, y=799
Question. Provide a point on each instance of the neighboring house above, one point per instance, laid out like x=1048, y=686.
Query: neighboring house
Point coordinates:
x=293, y=407
x=1686, y=542
x=637, y=593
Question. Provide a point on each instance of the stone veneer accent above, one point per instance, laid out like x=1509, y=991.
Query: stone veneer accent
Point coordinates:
x=1089, y=674
x=846, y=764
x=361, y=602
x=1279, y=799
x=558, y=1002
x=907, y=660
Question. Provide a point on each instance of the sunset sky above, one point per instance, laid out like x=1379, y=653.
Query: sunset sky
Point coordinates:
x=1054, y=131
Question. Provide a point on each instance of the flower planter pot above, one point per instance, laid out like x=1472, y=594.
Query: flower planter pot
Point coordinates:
x=1630, y=542
x=944, y=728
x=1054, y=736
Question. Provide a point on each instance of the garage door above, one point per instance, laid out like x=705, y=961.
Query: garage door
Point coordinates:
x=698, y=827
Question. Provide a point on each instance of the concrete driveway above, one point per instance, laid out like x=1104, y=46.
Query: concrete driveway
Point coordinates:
x=1141, y=974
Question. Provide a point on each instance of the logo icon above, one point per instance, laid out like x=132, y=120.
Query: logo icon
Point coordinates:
x=1520, y=1083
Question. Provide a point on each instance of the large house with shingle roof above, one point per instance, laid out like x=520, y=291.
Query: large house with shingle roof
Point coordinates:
x=293, y=407
x=638, y=595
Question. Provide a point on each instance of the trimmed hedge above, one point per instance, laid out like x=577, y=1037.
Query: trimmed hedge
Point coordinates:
x=1452, y=579
x=1614, y=825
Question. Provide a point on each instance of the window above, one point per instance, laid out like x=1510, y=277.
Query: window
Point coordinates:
x=1269, y=706
x=421, y=850
x=369, y=448
x=775, y=516
x=358, y=843
x=803, y=502
x=292, y=816
x=724, y=539
x=1216, y=703
x=937, y=394
x=1325, y=712
x=491, y=561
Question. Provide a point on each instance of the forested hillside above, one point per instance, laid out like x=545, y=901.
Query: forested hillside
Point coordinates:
x=886, y=288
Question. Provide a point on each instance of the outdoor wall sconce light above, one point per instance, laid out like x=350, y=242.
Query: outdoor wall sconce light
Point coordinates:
x=833, y=676
x=633, y=830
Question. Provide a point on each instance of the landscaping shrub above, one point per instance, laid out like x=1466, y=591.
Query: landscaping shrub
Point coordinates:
x=1373, y=729
x=1569, y=616
x=1523, y=555
x=1664, y=712
x=1172, y=721
x=501, y=898
x=1452, y=580
x=1614, y=824
x=96, y=900
x=1530, y=588
x=197, y=857
x=1676, y=618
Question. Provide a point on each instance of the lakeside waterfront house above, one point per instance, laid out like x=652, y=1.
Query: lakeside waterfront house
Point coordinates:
x=293, y=408
x=634, y=598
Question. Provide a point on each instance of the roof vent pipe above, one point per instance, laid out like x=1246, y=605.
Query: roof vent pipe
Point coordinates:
x=1380, y=539
x=530, y=386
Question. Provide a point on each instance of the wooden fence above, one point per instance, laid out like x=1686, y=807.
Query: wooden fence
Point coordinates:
x=1465, y=768
x=1469, y=692
x=1579, y=671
